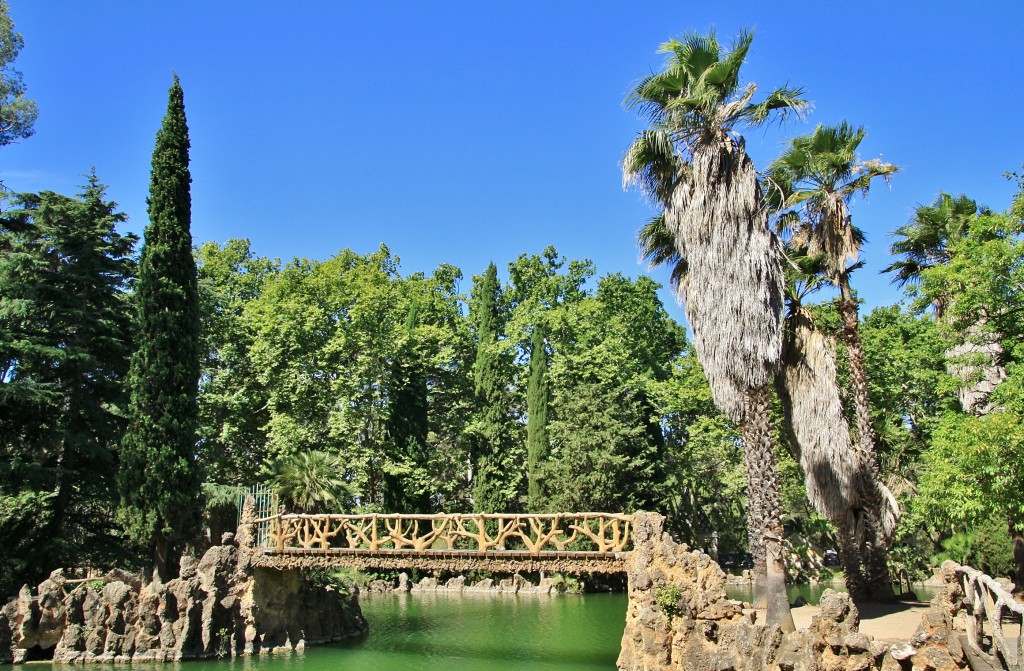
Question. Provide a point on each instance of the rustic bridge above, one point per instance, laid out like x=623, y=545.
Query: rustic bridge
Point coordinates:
x=571, y=542
x=994, y=637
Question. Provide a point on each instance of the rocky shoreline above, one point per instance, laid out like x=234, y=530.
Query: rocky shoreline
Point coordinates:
x=220, y=606
x=516, y=584
x=679, y=617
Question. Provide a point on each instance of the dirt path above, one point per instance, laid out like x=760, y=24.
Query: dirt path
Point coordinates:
x=883, y=621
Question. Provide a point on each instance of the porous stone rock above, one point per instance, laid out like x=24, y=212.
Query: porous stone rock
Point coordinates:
x=219, y=606
x=679, y=617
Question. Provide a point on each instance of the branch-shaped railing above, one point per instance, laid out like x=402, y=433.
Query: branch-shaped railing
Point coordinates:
x=476, y=533
x=989, y=607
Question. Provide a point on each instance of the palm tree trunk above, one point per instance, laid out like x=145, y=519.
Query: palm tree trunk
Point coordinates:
x=764, y=512
x=874, y=554
x=977, y=363
x=849, y=555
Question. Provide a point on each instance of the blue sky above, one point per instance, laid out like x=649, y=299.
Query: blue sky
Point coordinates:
x=471, y=132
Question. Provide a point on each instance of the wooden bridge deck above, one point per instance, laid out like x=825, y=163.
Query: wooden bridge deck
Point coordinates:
x=499, y=561
x=572, y=542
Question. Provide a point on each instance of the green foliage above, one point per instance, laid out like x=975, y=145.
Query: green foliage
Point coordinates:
x=344, y=580
x=537, y=416
x=974, y=472
x=17, y=113
x=406, y=488
x=669, y=598
x=985, y=274
x=985, y=547
x=233, y=411
x=497, y=473
x=64, y=343
x=22, y=560
x=909, y=388
x=607, y=443
x=353, y=358
x=908, y=555
x=705, y=485
x=159, y=479
x=566, y=584
x=312, y=482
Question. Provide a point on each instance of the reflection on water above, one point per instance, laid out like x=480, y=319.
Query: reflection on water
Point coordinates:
x=468, y=631
x=452, y=632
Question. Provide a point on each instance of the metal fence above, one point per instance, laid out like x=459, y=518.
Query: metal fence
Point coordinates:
x=265, y=505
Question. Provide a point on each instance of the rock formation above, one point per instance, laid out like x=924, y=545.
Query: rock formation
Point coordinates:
x=679, y=617
x=219, y=606
x=515, y=584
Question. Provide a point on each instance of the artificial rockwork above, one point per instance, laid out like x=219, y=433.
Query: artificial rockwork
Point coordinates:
x=512, y=585
x=219, y=606
x=679, y=617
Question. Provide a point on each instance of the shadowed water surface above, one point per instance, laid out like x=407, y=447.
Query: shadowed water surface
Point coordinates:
x=458, y=633
x=484, y=632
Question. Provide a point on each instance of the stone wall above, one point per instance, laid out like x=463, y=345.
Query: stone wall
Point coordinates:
x=679, y=617
x=219, y=606
x=515, y=584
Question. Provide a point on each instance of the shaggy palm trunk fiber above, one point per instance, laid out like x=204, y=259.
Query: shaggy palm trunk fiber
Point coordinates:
x=820, y=434
x=733, y=292
x=764, y=514
x=977, y=364
x=733, y=289
x=880, y=509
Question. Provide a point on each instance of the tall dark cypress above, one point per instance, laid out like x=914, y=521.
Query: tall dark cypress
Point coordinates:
x=537, y=416
x=494, y=486
x=408, y=425
x=159, y=479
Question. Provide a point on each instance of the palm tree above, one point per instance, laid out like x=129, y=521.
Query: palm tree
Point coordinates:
x=925, y=242
x=813, y=183
x=312, y=482
x=693, y=165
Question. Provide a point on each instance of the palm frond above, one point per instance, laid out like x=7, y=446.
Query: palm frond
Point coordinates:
x=923, y=241
x=821, y=174
x=652, y=164
x=313, y=481
x=784, y=101
x=658, y=248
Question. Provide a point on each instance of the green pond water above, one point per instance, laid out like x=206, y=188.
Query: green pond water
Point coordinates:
x=496, y=633
x=467, y=632
x=458, y=633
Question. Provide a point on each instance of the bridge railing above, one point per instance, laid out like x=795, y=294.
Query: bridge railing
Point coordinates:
x=477, y=533
x=989, y=607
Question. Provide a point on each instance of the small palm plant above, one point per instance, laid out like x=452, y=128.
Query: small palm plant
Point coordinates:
x=312, y=482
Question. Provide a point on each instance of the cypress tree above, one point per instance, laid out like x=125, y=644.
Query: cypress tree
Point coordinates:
x=408, y=426
x=159, y=479
x=537, y=416
x=494, y=486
